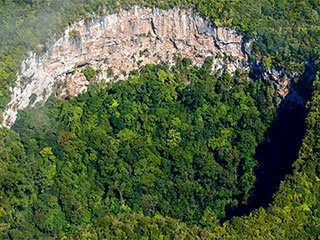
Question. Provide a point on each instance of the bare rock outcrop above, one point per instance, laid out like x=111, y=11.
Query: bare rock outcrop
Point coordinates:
x=122, y=42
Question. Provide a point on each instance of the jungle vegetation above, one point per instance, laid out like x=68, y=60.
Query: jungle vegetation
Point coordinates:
x=153, y=145
x=166, y=153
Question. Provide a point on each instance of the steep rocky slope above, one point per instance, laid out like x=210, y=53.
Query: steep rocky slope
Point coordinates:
x=121, y=42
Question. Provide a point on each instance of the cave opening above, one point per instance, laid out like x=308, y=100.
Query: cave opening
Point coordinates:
x=280, y=149
x=276, y=155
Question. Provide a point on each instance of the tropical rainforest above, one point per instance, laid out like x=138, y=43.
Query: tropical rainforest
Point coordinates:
x=174, y=152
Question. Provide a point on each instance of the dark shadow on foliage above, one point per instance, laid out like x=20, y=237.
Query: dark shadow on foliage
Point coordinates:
x=279, y=150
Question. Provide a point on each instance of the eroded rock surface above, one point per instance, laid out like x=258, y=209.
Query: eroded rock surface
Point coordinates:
x=122, y=42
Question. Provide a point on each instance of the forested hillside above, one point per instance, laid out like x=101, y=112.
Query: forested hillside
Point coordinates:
x=168, y=152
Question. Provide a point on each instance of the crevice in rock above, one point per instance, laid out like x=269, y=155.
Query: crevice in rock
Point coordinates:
x=154, y=29
x=174, y=44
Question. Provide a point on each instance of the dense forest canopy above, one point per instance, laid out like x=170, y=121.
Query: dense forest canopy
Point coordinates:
x=153, y=157
x=164, y=154
x=151, y=144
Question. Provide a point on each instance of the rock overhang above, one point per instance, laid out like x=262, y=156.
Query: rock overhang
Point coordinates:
x=123, y=42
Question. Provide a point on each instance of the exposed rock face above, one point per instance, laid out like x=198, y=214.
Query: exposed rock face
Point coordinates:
x=122, y=42
x=282, y=83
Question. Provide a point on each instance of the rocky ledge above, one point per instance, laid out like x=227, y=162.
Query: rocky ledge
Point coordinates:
x=119, y=43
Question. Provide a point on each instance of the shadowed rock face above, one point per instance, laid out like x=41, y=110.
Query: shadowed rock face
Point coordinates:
x=122, y=42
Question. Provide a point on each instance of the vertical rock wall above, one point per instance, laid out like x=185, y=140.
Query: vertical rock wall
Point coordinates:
x=122, y=42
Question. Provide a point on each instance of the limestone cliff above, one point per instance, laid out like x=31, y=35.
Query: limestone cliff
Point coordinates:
x=122, y=42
